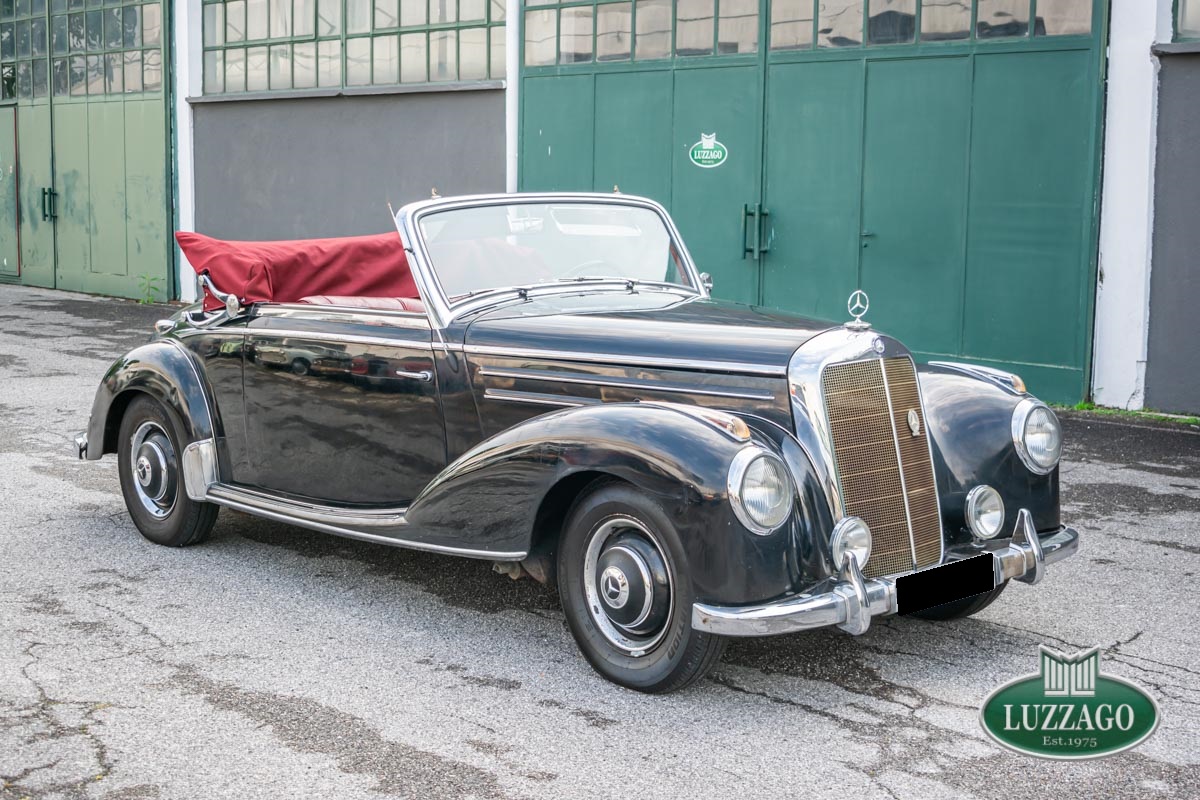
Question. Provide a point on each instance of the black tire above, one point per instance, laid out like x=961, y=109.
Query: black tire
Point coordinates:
x=958, y=609
x=300, y=366
x=670, y=655
x=160, y=507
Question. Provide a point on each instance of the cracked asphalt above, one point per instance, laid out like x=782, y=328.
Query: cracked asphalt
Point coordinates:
x=275, y=662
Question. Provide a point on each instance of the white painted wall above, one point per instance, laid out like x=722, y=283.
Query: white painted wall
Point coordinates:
x=188, y=47
x=512, y=87
x=1127, y=201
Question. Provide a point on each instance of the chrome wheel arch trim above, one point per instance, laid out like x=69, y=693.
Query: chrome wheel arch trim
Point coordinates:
x=441, y=312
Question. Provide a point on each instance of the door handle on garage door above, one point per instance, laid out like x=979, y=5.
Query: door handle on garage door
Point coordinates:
x=49, y=205
x=750, y=226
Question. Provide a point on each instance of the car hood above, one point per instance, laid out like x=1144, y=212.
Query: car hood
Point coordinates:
x=647, y=325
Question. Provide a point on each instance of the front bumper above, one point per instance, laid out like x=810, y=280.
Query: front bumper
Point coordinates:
x=81, y=444
x=852, y=601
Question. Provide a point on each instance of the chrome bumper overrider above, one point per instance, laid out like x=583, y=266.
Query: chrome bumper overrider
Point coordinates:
x=852, y=600
x=81, y=444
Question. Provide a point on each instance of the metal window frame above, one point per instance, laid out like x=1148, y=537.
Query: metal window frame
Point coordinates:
x=492, y=24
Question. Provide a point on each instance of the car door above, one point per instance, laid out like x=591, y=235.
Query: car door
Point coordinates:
x=342, y=404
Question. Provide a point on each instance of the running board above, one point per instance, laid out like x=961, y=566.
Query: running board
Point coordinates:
x=339, y=521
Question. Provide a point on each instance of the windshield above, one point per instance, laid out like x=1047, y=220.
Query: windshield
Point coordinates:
x=477, y=249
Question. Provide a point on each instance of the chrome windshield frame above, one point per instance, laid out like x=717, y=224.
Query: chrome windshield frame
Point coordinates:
x=443, y=312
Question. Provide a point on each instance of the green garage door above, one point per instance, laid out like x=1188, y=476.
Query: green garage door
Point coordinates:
x=85, y=79
x=942, y=156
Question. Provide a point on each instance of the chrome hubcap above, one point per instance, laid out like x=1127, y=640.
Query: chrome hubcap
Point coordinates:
x=154, y=469
x=628, y=585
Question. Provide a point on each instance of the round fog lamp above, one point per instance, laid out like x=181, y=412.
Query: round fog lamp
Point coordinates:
x=985, y=512
x=852, y=536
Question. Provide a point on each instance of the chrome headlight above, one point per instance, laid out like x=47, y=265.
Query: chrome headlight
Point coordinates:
x=760, y=490
x=1037, y=435
x=985, y=512
x=852, y=536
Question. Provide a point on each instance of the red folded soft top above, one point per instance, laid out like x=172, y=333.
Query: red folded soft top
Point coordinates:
x=286, y=271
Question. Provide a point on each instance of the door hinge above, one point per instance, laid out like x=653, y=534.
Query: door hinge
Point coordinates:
x=49, y=205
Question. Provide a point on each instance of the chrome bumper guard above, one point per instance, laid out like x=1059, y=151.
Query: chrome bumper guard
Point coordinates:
x=853, y=601
x=81, y=444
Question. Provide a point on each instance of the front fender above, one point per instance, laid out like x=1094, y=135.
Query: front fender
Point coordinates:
x=970, y=422
x=165, y=370
x=683, y=462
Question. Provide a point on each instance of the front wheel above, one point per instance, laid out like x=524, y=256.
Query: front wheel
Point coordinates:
x=150, y=465
x=626, y=594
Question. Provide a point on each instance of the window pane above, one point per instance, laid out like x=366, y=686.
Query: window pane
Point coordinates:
x=114, y=73
x=303, y=18
x=1067, y=17
x=6, y=41
x=58, y=35
x=358, y=18
x=214, y=24
x=358, y=62
x=443, y=55
x=152, y=70
x=539, y=38
x=471, y=11
x=614, y=26
x=694, y=27
x=387, y=13
x=329, y=19
x=78, y=70
x=839, y=23
x=737, y=30
x=498, y=66
x=387, y=59
x=281, y=66
x=24, y=80
x=442, y=11
x=412, y=12
x=258, y=77
x=945, y=20
x=329, y=63
x=575, y=35
x=235, y=21
x=498, y=10
x=75, y=33
x=281, y=18
x=95, y=31
x=37, y=36
x=8, y=81
x=151, y=25
x=235, y=70
x=472, y=54
x=791, y=24
x=892, y=21
x=1002, y=18
x=95, y=76
x=1189, y=19
x=22, y=29
x=304, y=65
x=414, y=58
x=654, y=29
x=58, y=77
x=256, y=23
x=133, y=73
x=41, y=78
x=114, y=29
x=214, y=72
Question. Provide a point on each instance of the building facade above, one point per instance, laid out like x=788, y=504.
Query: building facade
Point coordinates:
x=1018, y=172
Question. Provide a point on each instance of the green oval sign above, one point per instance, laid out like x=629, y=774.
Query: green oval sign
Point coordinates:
x=708, y=152
x=1069, y=710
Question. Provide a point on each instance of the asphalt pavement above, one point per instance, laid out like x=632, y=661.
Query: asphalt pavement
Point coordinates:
x=274, y=662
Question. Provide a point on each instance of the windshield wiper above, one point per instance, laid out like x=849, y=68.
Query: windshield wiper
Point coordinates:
x=581, y=278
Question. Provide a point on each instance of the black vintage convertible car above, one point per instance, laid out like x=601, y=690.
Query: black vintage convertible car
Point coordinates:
x=544, y=381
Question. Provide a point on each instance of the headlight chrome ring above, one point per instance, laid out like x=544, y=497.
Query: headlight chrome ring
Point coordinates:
x=1040, y=455
x=985, y=512
x=761, y=490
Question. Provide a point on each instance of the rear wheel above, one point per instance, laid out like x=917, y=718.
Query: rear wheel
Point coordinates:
x=626, y=594
x=965, y=607
x=149, y=462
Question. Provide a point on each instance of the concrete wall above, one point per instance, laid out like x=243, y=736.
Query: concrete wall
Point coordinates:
x=327, y=166
x=1173, y=353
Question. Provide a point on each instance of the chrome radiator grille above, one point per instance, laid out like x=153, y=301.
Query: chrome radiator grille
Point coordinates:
x=885, y=472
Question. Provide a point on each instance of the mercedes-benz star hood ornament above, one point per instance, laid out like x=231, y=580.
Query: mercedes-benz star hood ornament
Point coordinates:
x=857, y=305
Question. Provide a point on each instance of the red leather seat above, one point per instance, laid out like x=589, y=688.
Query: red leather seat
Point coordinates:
x=377, y=303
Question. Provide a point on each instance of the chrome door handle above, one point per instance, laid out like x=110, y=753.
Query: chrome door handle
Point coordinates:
x=424, y=375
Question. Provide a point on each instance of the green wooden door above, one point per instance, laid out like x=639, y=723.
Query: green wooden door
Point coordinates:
x=942, y=156
x=87, y=79
x=10, y=255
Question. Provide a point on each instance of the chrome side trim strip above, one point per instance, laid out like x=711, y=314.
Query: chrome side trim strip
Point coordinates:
x=887, y=391
x=628, y=360
x=349, y=338
x=628, y=383
x=538, y=399
x=262, y=505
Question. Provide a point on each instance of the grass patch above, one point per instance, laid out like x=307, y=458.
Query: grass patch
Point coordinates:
x=1155, y=416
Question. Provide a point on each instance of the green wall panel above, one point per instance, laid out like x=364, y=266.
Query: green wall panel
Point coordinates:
x=149, y=247
x=556, y=140
x=72, y=180
x=37, y=235
x=813, y=185
x=106, y=189
x=633, y=133
x=9, y=240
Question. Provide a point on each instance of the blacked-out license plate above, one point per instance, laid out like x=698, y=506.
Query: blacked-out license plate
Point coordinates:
x=944, y=584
